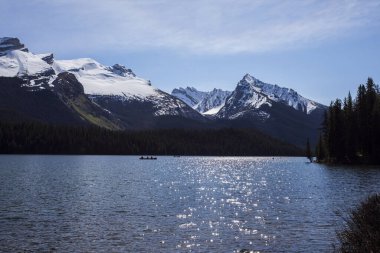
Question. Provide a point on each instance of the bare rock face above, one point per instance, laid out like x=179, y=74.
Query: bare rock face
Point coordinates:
x=121, y=70
x=8, y=43
x=67, y=84
x=49, y=59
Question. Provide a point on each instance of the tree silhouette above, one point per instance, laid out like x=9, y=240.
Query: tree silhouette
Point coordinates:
x=351, y=131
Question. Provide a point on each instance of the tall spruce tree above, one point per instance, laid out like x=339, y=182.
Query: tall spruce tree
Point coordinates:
x=361, y=109
x=349, y=123
x=351, y=131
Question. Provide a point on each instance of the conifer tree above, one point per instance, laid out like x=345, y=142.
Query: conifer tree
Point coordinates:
x=361, y=108
x=349, y=124
x=351, y=132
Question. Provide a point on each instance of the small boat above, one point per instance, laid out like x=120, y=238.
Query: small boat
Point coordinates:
x=148, y=158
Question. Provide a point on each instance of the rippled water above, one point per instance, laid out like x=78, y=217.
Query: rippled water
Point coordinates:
x=198, y=204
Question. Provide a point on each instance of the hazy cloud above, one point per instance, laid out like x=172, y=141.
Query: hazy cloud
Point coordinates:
x=202, y=26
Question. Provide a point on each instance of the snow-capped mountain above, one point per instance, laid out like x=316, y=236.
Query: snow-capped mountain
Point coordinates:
x=111, y=88
x=280, y=94
x=207, y=103
x=17, y=61
x=277, y=111
x=103, y=80
x=280, y=112
x=251, y=95
x=83, y=91
x=118, y=83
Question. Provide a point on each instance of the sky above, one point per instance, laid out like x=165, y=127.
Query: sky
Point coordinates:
x=320, y=48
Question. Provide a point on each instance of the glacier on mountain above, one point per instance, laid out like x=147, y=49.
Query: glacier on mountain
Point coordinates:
x=114, y=82
x=19, y=63
x=103, y=80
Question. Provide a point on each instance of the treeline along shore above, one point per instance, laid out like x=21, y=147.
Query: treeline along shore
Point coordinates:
x=350, y=132
x=36, y=138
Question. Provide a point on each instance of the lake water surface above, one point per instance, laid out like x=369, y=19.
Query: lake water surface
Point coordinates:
x=184, y=204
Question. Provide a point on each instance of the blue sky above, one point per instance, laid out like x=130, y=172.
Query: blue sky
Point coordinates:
x=320, y=48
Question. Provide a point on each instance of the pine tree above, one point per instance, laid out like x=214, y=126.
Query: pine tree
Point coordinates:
x=349, y=123
x=361, y=110
x=351, y=133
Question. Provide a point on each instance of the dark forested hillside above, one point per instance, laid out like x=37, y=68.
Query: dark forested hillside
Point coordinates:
x=34, y=138
x=351, y=129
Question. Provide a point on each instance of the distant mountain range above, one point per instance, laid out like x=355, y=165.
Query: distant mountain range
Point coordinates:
x=40, y=88
x=249, y=95
x=277, y=111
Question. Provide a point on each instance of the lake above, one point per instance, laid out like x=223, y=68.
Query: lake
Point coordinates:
x=175, y=204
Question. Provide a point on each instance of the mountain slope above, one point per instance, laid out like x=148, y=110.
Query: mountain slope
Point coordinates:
x=17, y=104
x=71, y=92
x=252, y=96
x=189, y=95
x=85, y=92
x=117, y=89
x=280, y=112
x=109, y=96
x=207, y=103
x=277, y=111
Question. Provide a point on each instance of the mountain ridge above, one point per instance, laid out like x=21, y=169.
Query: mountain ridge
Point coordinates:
x=85, y=92
x=100, y=83
x=193, y=97
x=267, y=107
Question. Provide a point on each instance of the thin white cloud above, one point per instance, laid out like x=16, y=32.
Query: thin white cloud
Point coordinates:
x=202, y=26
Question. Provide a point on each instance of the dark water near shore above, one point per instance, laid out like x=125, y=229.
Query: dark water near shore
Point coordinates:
x=198, y=204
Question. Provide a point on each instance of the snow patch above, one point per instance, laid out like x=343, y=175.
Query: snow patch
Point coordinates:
x=214, y=110
x=280, y=94
x=98, y=79
x=189, y=95
x=20, y=63
x=207, y=103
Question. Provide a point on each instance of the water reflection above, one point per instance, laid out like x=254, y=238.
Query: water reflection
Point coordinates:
x=114, y=203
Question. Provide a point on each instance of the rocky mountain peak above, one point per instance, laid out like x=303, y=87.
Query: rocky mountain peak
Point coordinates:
x=275, y=93
x=48, y=58
x=205, y=102
x=248, y=78
x=8, y=43
x=122, y=70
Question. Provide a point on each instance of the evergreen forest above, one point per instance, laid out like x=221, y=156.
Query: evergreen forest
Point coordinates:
x=350, y=132
x=37, y=138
